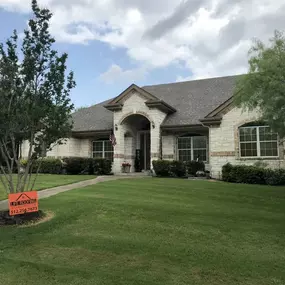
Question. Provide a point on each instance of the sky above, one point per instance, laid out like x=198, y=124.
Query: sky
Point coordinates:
x=114, y=43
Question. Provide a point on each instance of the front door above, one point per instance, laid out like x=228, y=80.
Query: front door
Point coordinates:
x=145, y=150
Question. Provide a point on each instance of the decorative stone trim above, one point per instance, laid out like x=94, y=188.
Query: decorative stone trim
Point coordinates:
x=134, y=113
x=119, y=155
x=130, y=156
x=168, y=156
x=222, y=153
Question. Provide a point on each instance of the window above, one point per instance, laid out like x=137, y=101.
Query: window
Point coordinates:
x=103, y=149
x=258, y=141
x=192, y=148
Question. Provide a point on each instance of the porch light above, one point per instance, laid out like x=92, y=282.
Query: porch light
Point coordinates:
x=152, y=124
x=116, y=127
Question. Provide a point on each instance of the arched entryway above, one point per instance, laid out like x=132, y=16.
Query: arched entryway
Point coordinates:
x=137, y=141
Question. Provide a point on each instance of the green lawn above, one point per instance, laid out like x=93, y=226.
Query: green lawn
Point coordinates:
x=50, y=180
x=152, y=231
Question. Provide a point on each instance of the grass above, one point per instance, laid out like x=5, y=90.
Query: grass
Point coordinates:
x=45, y=181
x=152, y=231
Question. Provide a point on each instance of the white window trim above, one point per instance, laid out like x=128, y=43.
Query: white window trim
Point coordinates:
x=192, y=148
x=257, y=142
x=103, y=148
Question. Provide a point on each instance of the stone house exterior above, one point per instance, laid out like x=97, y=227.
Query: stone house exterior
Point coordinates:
x=179, y=121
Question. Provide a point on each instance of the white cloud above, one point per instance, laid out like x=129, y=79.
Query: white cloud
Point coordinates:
x=116, y=74
x=208, y=37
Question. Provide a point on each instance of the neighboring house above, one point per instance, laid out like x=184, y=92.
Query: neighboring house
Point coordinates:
x=181, y=121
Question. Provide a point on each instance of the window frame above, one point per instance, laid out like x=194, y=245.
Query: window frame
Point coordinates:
x=258, y=141
x=103, y=141
x=192, y=147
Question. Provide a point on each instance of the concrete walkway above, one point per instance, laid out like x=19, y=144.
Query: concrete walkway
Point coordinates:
x=59, y=189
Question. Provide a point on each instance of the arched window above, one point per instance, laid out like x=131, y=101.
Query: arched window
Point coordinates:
x=192, y=148
x=258, y=140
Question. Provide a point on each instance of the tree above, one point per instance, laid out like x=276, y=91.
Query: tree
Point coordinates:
x=34, y=99
x=263, y=88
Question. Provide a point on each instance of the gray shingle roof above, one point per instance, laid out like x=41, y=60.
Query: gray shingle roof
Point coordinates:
x=193, y=100
x=95, y=118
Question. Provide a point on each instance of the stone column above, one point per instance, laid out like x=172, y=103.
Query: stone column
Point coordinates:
x=154, y=143
x=119, y=149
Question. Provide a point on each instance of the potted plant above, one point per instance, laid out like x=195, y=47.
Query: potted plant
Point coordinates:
x=126, y=166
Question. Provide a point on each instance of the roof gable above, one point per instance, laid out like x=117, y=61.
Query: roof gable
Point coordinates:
x=152, y=101
x=130, y=90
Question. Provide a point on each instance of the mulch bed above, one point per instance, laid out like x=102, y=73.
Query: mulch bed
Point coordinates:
x=7, y=220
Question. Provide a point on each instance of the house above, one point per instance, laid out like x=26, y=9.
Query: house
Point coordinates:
x=182, y=121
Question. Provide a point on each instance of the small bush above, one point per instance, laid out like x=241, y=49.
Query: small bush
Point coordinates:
x=193, y=166
x=252, y=175
x=78, y=165
x=162, y=167
x=102, y=166
x=177, y=169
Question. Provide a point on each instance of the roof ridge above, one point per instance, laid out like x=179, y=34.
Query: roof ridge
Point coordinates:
x=181, y=82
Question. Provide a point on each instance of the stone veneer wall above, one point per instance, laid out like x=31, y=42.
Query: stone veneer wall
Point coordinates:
x=168, y=147
x=224, y=143
x=72, y=147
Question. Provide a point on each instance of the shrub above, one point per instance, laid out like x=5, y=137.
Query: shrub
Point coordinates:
x=275, y=177
x=102, y=166
x=253, y=175
x=227, y=172
x=50, y=165
x=193, y=166
x=162, y=167
x=47, y=165
x=78, y=165
x=243, y=174
x=177, y=169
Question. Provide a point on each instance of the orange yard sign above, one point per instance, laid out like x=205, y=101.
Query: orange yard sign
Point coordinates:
x=25, y=202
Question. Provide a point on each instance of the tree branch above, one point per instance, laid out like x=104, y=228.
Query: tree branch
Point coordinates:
x=37, y=172
x=30, y=161
x=3, y=182
x=16, y=160
x=6, y=155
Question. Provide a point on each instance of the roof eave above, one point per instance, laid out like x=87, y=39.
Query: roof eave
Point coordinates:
x=161, y=105
x=213, y=121
x=114, y=107
x=221, y=108
x=182, y=127
x=88, y=133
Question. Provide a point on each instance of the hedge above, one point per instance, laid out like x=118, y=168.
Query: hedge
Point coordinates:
x=102, y=166
x=252, y=175
x=193, y=166
x=167, y=168
x=161, y=167
x=45, y=165
x=71, y=165
x=78, y=165
x=85, y=165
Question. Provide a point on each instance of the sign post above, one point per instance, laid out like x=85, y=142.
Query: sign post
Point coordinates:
x=25, y=202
